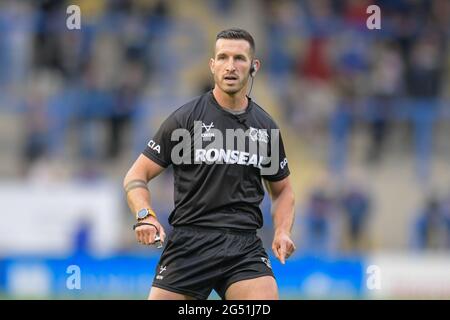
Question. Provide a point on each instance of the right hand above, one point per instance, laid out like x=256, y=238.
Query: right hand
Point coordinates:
x=146, y=234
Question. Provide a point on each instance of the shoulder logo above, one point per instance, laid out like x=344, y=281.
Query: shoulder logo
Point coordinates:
x=283, y=163
x=154, y=146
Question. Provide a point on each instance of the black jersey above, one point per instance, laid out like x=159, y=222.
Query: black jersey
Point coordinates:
x=219, y=159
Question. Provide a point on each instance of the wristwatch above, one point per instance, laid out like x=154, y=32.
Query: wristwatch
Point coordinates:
x=144, y=213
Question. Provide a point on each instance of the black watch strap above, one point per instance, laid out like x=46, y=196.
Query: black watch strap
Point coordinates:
x=144, y=224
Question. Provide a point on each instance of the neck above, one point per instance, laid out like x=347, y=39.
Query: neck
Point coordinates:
x=235, y=102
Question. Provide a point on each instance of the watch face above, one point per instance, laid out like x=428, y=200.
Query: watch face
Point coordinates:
x=142, y=214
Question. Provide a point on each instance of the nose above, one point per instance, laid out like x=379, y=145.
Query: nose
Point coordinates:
x=230, y=65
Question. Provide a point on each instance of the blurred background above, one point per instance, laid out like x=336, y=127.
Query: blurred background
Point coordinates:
x=365, y=116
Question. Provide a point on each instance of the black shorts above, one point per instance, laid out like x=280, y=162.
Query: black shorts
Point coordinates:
x=197, y=260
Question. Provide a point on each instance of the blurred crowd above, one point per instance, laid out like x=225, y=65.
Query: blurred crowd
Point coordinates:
x=333, y=74
x=336, y=221
x=92, y=96
x=431, y=226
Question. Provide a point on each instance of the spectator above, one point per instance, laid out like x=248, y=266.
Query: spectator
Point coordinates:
x=320, y=224
x=429, y=232
x=386, y=79
x=424, y=79
x=445, y=206
x=356, y=207
x=125, y=106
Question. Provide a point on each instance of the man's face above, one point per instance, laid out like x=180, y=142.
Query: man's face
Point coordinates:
x=231, y=65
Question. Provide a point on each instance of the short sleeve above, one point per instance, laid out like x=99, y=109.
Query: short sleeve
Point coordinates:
x=159, y=148
x=282, y=162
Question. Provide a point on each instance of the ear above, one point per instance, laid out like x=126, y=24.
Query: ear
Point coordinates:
x=211, y=65
x=257, y=65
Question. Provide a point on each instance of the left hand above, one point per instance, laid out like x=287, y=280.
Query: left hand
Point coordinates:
x=282, y=246
x=146, y=234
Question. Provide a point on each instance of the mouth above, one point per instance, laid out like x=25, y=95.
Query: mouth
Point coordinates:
x=230, y=78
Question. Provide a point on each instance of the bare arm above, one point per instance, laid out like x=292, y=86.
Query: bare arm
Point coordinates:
x=138, y=196
x=283, y=203
x=145, y=170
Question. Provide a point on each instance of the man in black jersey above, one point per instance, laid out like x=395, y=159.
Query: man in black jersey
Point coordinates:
x=222, y=146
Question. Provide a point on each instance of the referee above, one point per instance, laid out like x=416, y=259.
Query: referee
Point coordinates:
x=218, y=187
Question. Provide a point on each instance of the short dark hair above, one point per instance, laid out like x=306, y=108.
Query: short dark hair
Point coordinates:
x=238, y=34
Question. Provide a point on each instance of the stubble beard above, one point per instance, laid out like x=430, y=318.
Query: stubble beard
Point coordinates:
x=231, y=90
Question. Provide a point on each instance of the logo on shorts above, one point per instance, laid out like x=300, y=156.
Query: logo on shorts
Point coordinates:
x=161, y=270
x=266, y=262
